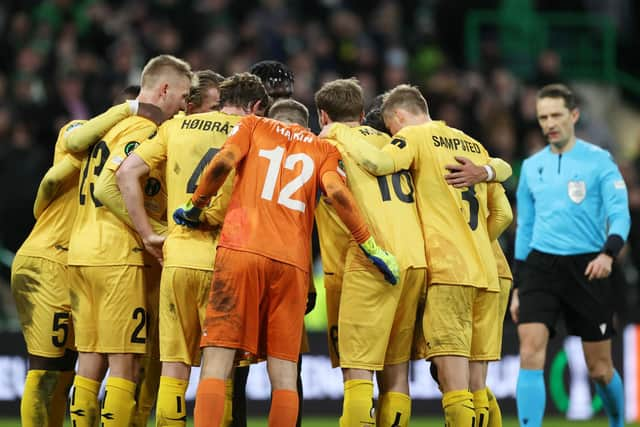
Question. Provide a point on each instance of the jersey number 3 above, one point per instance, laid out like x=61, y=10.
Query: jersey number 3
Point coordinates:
x=275, y=158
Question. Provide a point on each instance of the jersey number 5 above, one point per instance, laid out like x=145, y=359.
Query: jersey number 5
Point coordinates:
x=275, y=157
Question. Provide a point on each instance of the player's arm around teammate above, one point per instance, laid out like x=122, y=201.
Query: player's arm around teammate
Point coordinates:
x=107, y=264
x=376, y=322
x=54, y=208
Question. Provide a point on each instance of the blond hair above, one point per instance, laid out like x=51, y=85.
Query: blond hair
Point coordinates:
x=341, y=99
x=159, y=65
x=406, y=97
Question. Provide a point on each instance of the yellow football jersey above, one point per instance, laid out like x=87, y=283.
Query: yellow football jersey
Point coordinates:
x=49, y=237
x=98, y=236
x=454, y=220
x=387, y=202
x=184, y=146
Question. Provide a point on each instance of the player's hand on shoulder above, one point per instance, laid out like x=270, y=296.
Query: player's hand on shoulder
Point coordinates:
x=599, y=267
x=465, y=173
x=187, y=215
x=151, y=112
x=383, y=260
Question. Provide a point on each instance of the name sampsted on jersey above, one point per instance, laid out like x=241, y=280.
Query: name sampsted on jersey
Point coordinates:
x=301, y=136
x=207, y=125
x=455, y=144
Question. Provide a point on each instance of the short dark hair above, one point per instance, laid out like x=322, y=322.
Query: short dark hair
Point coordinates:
x=558, y=90
x=243, y=90
x=276, y=77
x=290, y=110
x=206, y=79
x=373, y=118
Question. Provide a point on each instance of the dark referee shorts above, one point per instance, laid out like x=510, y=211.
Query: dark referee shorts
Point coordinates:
x=554, y=285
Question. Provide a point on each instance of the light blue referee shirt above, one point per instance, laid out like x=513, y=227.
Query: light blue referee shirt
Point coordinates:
x=569, y=203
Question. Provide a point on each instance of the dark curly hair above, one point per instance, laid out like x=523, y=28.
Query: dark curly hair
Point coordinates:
x=276, y=77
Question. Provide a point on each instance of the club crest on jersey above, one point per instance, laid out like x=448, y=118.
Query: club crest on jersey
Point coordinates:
x=130, y=147
x=152, y=187
x=577, y=191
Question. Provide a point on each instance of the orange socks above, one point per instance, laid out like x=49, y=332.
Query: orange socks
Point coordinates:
x=209, y=410
x=284, y=408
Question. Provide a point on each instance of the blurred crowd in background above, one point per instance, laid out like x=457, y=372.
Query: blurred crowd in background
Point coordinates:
x=66, y=59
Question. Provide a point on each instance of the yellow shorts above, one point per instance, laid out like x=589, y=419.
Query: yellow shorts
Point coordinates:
x=460, y=321
x=184, y=293
x=377, y=320
x=491, y=349
x=333, y=288
x=40, y=289
x=109, y=308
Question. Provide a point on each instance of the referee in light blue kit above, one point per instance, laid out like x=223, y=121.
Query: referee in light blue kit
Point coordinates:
x=573, y=219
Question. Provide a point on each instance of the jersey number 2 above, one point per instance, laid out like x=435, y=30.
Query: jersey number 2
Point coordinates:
x=100, y=149
x=275, y=161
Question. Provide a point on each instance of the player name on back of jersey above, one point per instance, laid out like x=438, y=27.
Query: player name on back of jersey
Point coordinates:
x=455, y=144
x=302, y=135
x=207, y=125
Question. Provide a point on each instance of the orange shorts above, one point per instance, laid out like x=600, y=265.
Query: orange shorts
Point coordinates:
x=255, y=304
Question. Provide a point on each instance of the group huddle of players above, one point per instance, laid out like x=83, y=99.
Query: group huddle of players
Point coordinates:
x=177, y=227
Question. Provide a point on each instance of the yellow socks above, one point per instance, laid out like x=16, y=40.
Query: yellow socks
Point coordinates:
x=39, y=388
x=58, y=408
x=458, y=409
x=84, y=408
x=481, y=405
x=395, y=409
x=171, y=409
x=118, y=402
x=495, y=415
x=357, y=408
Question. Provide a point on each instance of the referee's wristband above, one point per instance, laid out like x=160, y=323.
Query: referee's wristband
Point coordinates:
x=613, y=245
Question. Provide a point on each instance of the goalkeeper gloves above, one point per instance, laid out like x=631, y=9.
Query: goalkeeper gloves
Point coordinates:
x=383, y=260
x=187, y=215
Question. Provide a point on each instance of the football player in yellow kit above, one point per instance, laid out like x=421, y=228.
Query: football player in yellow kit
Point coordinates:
x=454, y=223
x=39, y=273
x=106, y=262
x=376, y=322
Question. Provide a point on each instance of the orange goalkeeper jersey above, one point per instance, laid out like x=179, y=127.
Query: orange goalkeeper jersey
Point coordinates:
x=278, y=179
